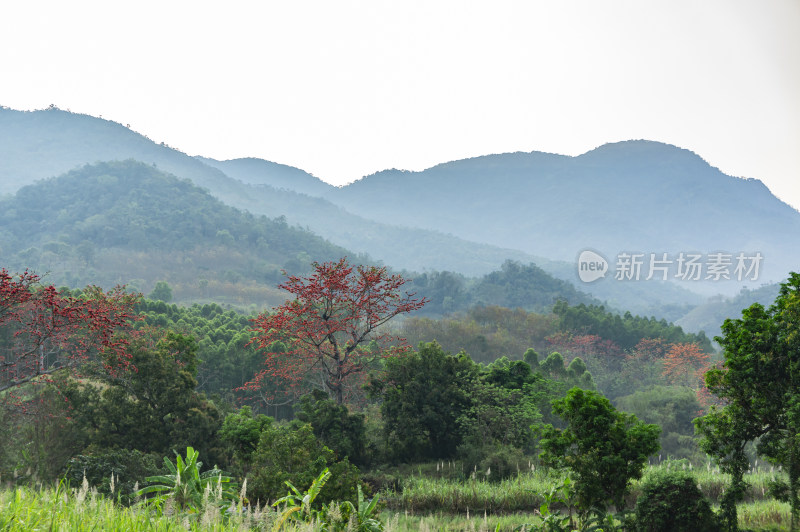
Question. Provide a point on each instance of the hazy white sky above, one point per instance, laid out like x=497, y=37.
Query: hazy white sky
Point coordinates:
x=344, y=89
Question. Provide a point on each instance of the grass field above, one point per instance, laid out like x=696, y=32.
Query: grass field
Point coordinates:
x=425, y=504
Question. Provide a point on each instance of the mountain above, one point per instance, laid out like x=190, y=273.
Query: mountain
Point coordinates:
x=41, y=144
x=130, y=223
x=401, y=247
x=467, y=216
x=635, y=196
x=126, y=222
x=421, y=249
x=260, y=172
x=710, y=315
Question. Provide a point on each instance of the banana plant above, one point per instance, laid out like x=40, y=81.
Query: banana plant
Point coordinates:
x=362, y=515
x=190, y=489
x=296, y=505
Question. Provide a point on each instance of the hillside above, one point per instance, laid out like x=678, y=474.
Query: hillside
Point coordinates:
x=421, y=249
x=280, y=176
x=710, y=315
x=635, y=196
x=128, y=222
x=41, y=144
x=467, y=217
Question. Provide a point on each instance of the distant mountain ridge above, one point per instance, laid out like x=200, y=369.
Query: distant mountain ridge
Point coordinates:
x=39, y=144
x=465, y=216
x=629, y=196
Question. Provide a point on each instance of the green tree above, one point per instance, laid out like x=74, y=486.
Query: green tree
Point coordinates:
x=153, y=409
x=344, y=433
x=240, y=433
x=292, y=453
x=161, y=292
x=760, y=385
x=423, y=395
x=672, y=408
x=604, y=448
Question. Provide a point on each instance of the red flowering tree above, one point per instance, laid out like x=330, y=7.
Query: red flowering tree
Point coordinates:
x=685, y=364
x=43, y=331
x=330, y=330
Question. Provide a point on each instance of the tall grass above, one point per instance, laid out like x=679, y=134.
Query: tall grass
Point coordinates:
x=764, y=515
x=713, y=483
x=423, y=493
x=24, y=508
x=424, y=504
x=402, y=522
x=519, y=494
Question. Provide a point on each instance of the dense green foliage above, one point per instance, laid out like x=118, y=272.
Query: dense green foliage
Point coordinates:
x=128, y=467
x=486, y=333
x=153, y=409
x=344, y=433
x=604, y=448
x=759, y=385
x=292, y=453
x=672, y=408
x=128, y=222
x=225, y=361
x=436, y=405
x=422, y=397
x=514, y=285
x=626, y=331
x=670, y=501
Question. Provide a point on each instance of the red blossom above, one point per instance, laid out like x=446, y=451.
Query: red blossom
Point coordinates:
x=42, y=330
x=328, y=334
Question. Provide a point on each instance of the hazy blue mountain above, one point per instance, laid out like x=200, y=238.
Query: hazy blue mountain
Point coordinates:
x=126, y=222
x=260, y=172
x=710, y=315
x=40, y=144
x=636, y=196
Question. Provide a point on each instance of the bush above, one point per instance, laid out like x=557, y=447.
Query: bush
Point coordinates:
x=672, y=502
x=128, y=468
x=342, y=432
x=493, y=462
x=292, y=452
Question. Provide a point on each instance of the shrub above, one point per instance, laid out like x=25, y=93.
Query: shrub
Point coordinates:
x=292, y=452
x=128, y=468
x=493, y=462
x=672, y=502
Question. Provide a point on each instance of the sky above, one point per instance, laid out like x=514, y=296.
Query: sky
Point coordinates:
x=345, y=89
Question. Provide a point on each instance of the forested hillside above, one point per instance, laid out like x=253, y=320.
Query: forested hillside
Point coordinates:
x=128, y=222
x=42, y=144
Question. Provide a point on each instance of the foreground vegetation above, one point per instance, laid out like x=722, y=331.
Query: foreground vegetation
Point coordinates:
x=424, y=504
x=532, y=436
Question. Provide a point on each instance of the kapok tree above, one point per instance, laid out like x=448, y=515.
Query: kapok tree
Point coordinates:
x=43, y=330
x=331, y=329
x=685, y=364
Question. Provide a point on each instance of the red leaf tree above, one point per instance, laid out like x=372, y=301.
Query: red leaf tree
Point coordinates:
x=685, y=364
x=329, y=331
x=43, y=331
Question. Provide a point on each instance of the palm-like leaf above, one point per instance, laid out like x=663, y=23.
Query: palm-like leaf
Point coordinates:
x=186, y=485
